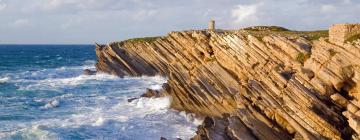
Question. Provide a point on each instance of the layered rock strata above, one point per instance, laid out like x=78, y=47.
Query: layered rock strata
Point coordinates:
x=268, y=87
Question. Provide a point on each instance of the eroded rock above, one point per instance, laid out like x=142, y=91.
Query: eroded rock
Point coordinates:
x=273, y=87
x=89, y=72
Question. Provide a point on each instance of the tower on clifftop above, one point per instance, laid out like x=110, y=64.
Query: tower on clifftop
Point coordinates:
x=212, y=25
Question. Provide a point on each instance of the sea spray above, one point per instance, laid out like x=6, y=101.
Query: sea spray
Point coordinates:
x=52, y=99
x=4, y=80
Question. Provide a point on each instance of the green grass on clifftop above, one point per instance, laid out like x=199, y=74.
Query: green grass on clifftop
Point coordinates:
x=266, y=28
x=310, y=35
x=143, y=39
x=261, y=31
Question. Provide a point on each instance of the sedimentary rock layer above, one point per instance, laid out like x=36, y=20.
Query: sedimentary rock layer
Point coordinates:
x=269, y=87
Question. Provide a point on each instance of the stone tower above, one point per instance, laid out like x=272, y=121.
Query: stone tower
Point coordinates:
x=212, y=25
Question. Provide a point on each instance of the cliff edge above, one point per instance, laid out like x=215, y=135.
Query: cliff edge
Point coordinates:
x=251, y=83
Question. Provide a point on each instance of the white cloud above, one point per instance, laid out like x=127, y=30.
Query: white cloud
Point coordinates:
x=52, y=4
x=244, y=14
x=44, y=5
x=62, y=21
x=347, y=1
x=20, y=23
x=72, y=22
x=2, y=6
x=327, y=8
x=143, y=14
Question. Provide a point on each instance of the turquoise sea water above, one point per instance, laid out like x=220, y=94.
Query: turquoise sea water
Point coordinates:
x=44, y=95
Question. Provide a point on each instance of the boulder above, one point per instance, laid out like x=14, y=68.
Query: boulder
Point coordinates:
x=89, y=72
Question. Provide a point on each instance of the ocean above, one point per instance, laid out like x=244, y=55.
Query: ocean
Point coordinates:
x=45, y=96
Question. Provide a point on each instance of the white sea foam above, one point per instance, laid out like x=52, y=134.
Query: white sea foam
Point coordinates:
x=4, y=80
x=51, y=104
x=191, y=117
x=156, y=87
x=153, y=103
x=127, y=120
x=99, y=121
x=96, y=105
x=35, y=132
x=54, y=83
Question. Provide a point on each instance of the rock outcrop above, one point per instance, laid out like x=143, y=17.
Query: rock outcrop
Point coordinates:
x=89, y=72
x=250, y=86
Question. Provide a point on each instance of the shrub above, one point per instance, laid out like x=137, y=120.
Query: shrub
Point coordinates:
x=301, y=57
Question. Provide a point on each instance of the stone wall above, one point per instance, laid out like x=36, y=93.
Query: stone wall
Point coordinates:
x=339, y=33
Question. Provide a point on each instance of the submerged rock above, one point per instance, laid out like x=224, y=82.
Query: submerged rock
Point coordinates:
x=132, y=99
x=270, y=85
x=149, y=93
x=89, y=72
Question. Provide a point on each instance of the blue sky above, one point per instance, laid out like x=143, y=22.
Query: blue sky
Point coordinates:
x=89, y=21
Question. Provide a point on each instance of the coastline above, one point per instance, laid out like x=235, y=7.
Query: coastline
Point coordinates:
x=267, y=84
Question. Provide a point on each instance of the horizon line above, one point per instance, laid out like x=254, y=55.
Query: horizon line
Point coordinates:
x=44, y=44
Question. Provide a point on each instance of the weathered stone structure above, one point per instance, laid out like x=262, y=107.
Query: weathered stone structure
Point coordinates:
x=212, y=25
x=339, y=33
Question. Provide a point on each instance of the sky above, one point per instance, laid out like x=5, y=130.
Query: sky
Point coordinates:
x=90, y=21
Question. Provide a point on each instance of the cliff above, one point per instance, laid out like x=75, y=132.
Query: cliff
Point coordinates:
x=252, y=84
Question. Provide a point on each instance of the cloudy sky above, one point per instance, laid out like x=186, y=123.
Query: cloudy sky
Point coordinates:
x=89, y=21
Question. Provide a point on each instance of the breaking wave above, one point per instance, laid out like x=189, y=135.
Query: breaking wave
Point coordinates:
x=4, y=80
x=62, y=103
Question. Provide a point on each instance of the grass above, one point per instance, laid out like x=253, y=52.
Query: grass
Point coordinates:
x=262, y=31
x=143, y=39
x=266, y=28
x=301, y=57
x=315, y=35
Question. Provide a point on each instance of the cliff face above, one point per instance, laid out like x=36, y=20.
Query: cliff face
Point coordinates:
x=250, y=86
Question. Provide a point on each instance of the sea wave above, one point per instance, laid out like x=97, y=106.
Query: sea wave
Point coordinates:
x=72, y=105
x=150, y=118
x=191, y=117
x=36, y=132
x=51, y=104
x=4, y=80
x=54, y=83
x=153, y=103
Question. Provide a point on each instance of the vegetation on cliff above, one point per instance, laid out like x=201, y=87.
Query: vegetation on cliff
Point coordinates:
x=310, y=35
x=143, y=39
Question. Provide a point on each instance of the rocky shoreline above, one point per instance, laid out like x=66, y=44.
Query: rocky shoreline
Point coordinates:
x=252, y=84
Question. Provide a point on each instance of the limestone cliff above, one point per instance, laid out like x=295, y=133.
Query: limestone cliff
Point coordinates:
x=251, y=84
